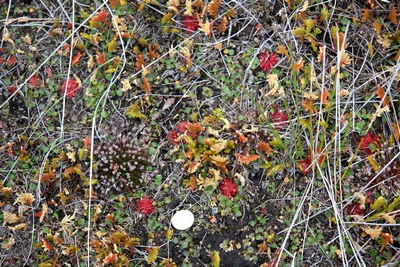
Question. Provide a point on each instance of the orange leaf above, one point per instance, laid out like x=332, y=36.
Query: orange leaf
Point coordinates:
x=11, y=61
x=86, y=143
x=246, y=157
x=381, y=95
x=194, y=129
x=241, y=137
x=377, y=26
x=321, y=54
x=10, y=149
x=365, y=14
x=298, y=65
x=213, y=8
x=101, y=17
x=308, y=105
x=41, y=213
x=282, y=51
x=48, y=70
x=46, y=245
x=2, y=59
x=198, y=4
x=263, y=146
x=222, y=27
x=47, y=176
x=111, y=259
x=396, y=130
x=152, y=54
x=101, y=58
x=146, y=88
x=113, y=3
x=139, y=62
x=324, y=97
x=397, y=56
x=190, y=183
x=76, y=58
x=386, y=238
x=392, y=15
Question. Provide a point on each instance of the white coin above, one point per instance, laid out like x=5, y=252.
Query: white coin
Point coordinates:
x=182, y=220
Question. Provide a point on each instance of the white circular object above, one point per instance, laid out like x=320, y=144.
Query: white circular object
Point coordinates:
x=182, y=220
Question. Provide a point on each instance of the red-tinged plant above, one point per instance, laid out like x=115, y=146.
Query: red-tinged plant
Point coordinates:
x=267, y=61
x=172, y=135
x=145, y=205
x=182, y=126
x=279, y=118
x=228, y=188
x=12, y=89
x=190, y=23
x=369, y=143
x=34, y=80
x=355, y=209
x=70, y=89
x=304, y=165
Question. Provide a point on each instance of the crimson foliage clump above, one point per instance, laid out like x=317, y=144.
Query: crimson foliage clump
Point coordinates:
x=122, y=164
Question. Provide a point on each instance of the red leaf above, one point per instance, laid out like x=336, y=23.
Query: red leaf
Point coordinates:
x=190, y=23
x=34, y=80
x=145, y=205
x=228, y=188
x=267, y=61
x=72, y=87
x=369, y=141
x=279, y=118
x=76, y=58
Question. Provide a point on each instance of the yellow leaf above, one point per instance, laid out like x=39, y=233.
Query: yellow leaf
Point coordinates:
x=173, y=6
x=344, y=58
x=133, y=111
x=374, y=233
x=215, y=259
x=6, y=37
x=375, y=165
x=166, y=18
x=9, y=244
x=153, y=253
x=112, y=46
x=370, y=49
x=205, y=27
x=379, y=203
x=24, y=199
x=361, y=199
x=126, y=85
x=189, y=10
x=9, y=218
x=388, y=218
x=273, y=83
